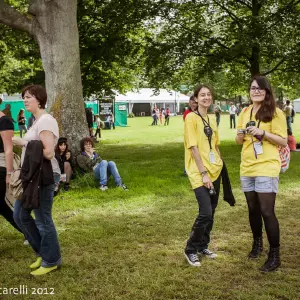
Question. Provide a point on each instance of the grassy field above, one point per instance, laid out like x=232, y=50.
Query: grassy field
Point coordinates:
x=129, y=245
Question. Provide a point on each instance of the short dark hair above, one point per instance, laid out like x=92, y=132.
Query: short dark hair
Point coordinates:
x=38, y=91
x=268, y=106
x=86, y=140
x=289, y=132
x=199, y=87
x=288, y=102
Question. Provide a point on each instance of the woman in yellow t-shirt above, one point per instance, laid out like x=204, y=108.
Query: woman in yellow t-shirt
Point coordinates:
x=203, y=165
x=261, y=129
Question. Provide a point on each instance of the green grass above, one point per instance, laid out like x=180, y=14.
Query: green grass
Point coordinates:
x=129, y=245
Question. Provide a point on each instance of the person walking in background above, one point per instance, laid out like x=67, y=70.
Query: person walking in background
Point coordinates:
x=203, y=165
x=232, y=112
x=261, y=129
x=99, y=125
x=288, y=114
x=40, y=232
x=167, y=116
x=112, y=120
x=22, y=122
x=154, y=117
x=157, y=113
x=161, y=116
x=218, y=112
x=30, y=121
x=89, y=119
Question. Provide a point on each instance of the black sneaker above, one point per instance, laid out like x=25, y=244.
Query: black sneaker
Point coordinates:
x=124, y=187
x=192, y=259
x=208, y=253
x=66, y=187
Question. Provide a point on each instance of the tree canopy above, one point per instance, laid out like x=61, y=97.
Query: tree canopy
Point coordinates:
x=169, y=44
x=198, y=39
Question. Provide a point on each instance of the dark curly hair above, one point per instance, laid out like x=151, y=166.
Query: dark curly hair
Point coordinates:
x=84, y=141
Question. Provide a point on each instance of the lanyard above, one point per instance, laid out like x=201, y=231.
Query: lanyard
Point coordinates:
x=251, y=118
x=207, y=129
x=255, y=153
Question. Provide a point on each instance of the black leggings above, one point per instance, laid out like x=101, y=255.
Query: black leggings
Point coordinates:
x=261, y=207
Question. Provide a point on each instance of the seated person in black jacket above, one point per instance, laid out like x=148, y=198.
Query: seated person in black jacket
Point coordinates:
x=63, y=156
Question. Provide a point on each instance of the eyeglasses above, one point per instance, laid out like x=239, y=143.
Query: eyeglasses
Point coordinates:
x=256, y=88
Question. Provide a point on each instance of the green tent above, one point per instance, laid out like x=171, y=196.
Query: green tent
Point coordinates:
x=15, y=107
x=121, y=109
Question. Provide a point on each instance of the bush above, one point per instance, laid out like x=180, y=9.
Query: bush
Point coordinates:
x=131, y=115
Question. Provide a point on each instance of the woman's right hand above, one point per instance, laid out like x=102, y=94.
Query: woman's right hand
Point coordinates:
x=207, y=181
x=68, y=155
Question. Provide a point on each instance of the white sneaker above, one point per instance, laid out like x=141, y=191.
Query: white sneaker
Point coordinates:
x=208, y=253
x=103, y=188
x=26, y=243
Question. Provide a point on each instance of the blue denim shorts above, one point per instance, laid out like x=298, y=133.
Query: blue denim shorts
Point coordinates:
x=260, y=184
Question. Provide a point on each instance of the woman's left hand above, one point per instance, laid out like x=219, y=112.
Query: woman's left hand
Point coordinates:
x=17, y=141
x=255, y=131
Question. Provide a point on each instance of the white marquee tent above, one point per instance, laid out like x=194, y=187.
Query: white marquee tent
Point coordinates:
x=147, y=98
x=296, y=103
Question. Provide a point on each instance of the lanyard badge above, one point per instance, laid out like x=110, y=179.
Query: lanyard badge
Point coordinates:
x=208, y=133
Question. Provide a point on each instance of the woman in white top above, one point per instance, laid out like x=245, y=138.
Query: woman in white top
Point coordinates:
x=40, y=232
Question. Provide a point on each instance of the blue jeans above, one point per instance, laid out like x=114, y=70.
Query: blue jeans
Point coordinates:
x=289, y=123
x=40, y=233
x=103, y=171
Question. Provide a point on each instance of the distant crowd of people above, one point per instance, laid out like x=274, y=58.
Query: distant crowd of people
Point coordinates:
x=163, y=115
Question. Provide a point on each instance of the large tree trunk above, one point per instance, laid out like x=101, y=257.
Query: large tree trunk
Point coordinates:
x=256, y=34
x=58, y=39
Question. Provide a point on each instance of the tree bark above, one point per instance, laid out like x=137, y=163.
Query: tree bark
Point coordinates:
x=59, y=45
x=55, y=29
x=255, y=56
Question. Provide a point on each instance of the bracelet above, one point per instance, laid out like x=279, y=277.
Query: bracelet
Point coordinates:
x=9, y=173
x=203, y=173
x=263, y=135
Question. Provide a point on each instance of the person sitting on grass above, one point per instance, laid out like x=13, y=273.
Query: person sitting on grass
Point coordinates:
x=90, y=161
x=63, y=156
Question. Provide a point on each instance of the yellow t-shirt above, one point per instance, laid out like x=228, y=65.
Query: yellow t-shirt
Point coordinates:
x=194, y=136
x=268, y=163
